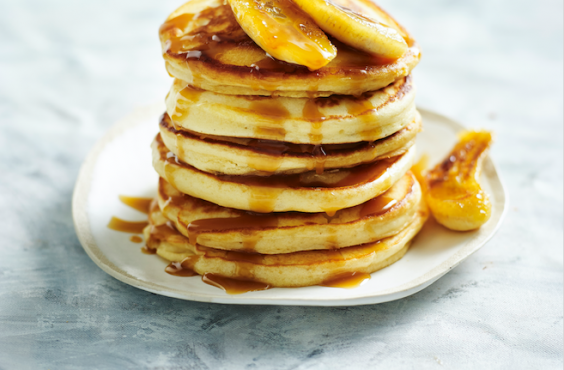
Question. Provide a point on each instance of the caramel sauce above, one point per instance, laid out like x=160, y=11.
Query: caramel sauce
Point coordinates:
x=362, y=108
x=275, y=65
x=234, y=286
x=213, y=30
x=147, y=250
x=118, y=224
x=136, y=239
x=185, y=98
x=372, y=133
x=347, y=280
x=173, y=31
x=272, y=132
x=312, y=113
x=140, y=204
x=263, y=200
x=171, y=170
x=320, y=159
x=275, y=111
x=248, y=221
x=271, y=108
x=178, y=269
x=268, y=166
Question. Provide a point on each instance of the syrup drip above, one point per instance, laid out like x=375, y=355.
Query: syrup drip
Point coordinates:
x=273, y=133
x=263, y=200
x=234, y=286
x=136, y=239
x=185, y=98
x=140, y=204
x=268, y=166
x=147, y=250
x=270, y=108
x=173, y=31
x=248, y=221
x=273, y=110
x=320, y=159
x=312, y=113
x=361, y=107
x=347, y=280
x=118, y=224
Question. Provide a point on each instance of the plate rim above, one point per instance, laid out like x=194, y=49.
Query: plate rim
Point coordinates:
x=86, y=238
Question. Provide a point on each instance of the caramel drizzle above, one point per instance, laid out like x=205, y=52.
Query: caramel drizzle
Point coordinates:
x=246, y=222
x=140, y=204
x=233, y=286
x=124, y=226
x=348, y=280
x=229, y=285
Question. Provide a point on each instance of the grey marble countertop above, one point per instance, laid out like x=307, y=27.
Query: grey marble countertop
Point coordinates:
x=70, y=69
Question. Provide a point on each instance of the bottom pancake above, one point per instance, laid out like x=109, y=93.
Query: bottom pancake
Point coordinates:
x=282, y=270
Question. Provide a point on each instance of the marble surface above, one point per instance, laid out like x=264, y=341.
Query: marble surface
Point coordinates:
x=70, y=69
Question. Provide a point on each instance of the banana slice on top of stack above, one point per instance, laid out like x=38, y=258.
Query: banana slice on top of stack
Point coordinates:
x=285, y=148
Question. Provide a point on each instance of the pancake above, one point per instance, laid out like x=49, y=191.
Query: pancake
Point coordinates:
x=334, y=120
x=203, y=44
x=213, y=226
x=282, y=270
x=239, y=156
x=307, y=192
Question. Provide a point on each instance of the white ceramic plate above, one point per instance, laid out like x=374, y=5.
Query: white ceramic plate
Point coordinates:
x=120, y=164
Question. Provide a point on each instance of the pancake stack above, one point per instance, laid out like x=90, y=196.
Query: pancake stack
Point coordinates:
x=275, y=173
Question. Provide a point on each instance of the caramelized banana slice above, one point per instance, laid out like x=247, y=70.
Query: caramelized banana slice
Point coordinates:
x=452, y=190
x=359, y=31
x=284, y=31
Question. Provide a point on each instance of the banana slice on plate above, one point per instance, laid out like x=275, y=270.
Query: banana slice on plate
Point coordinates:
x=372, y=31
x=285, y=32
x=452, y=190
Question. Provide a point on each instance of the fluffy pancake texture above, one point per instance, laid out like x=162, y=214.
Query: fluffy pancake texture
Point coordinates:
x=307, y=192
x=333, y=120
x=282, y=270
x=203, y=44
x=241, y=156
x=213, y=226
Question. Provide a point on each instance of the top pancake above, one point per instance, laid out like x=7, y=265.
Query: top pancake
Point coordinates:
x=204, y=45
